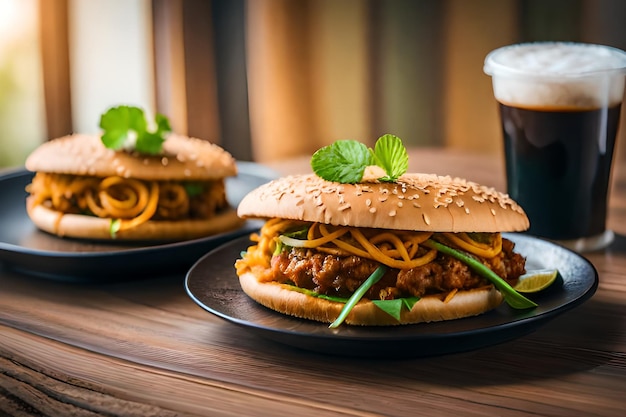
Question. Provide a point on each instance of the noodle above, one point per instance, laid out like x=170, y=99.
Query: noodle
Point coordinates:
x=400, y=250
x=463, y=241
x=132, y=201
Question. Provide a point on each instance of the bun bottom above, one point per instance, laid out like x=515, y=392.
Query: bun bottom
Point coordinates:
x=277, y=297
x=95, y=228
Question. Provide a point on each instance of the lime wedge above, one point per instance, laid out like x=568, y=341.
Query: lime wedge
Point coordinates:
x=536, y=280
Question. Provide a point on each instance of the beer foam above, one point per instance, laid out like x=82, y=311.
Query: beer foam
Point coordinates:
x=555, y=74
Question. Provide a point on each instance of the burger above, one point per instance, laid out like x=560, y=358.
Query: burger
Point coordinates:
x=416, y=248
x=175, y=191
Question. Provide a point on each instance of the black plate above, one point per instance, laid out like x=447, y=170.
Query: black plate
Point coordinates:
x=213, y=284
x=23, y=247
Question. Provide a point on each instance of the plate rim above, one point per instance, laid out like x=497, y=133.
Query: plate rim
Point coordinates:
x=18, y=257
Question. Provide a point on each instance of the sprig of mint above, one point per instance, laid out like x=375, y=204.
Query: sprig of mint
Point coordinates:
x=345, y=161
x=124, y=125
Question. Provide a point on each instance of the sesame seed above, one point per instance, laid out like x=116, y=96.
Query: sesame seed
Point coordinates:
x=400, y=204
x=368, y=202
x=382, y=199
x=344, y=207
x=426, y=218
x=467, y=210
x=416, y=204
x=392, y=213
x=493, y=212
x=373, y=210
x=164, y=161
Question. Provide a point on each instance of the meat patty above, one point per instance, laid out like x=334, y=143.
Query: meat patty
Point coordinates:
x=341, y=276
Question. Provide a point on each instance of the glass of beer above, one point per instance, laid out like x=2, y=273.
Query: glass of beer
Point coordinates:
x=560, y=108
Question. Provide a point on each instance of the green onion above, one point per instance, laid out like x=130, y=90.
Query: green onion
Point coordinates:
x=114, y=227
x=512, y=297
x=358, y=294
x=290, y=241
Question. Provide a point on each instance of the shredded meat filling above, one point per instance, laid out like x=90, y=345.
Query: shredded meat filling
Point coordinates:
x=341, y=276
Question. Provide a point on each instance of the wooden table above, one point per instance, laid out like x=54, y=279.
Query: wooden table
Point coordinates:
x=144, y=348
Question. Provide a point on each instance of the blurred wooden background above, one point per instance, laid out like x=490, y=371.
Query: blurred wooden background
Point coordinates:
x=272, y=79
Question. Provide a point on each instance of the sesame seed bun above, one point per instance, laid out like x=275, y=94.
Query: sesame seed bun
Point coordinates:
x=183, y=158
x=430, y=308
x=415, y=202
x=53, y=204
x=420, y=202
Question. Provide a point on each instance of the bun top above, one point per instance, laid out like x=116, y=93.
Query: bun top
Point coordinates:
x=183, y=158
x=421, y=202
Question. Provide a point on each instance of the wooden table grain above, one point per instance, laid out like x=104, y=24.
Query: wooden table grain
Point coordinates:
x=144, y=348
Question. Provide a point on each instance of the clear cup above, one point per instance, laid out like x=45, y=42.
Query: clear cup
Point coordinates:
x=560, y=107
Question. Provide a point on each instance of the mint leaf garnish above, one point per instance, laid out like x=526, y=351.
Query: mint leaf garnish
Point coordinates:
x=344, y=161
x=149, y=143
x=126, y=127
x=390, y=154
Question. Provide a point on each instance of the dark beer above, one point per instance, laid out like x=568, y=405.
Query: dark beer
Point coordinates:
x=558, y=167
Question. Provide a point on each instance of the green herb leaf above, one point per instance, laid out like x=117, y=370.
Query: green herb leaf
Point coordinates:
x=124, y=124
x=394, y=307
x=344, y=161
x=149, y=143
x=391, y=307
x=409, y=302
x=358, y=294
x=391, y=155
x=512, y=297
